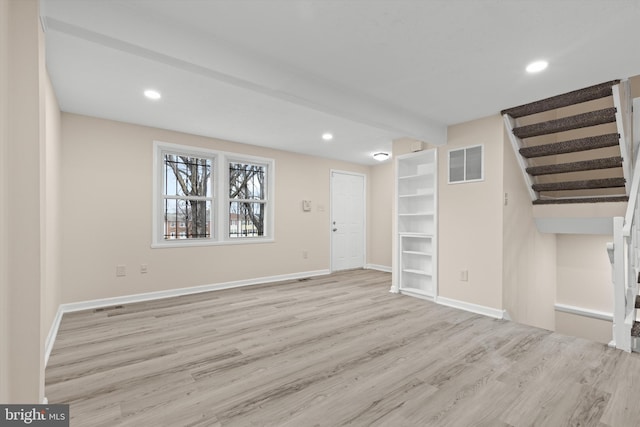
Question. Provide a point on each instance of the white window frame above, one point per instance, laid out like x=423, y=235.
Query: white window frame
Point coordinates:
x=220, y=192
x=269, y=166
x=464, y=166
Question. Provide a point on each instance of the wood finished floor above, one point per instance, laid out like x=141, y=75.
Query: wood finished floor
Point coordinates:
x=331, y=351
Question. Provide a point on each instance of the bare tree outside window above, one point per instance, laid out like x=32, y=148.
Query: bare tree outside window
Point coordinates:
x=247, y=199
x=187, y=197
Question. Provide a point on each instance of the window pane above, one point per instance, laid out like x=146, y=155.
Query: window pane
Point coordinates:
x=456, y=166
x=474, y=163
x=187, y=219
x=187, y=176
x=246, y=219
x=247, y=181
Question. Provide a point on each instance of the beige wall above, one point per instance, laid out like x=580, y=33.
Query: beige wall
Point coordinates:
x=584, y=327
x=106, y=209
x=584, y=272
x=529, y=270
x=52, y=233
x=381, y=188
x=22, y=197
x=584, y=280
x=470, y=218
x=4, y=202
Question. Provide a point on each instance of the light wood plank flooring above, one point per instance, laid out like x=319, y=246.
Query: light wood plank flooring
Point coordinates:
x=331, y=351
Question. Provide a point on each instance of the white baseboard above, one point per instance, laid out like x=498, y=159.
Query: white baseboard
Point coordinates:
x=416, y=294
x=585, y=312
x=378, y=267
x=474, y=308
x=150, y=296
x=53, y=333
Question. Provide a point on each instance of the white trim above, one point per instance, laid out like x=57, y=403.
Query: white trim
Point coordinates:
x=53, y=333
x=635, y=111
x=621, y=102
x=383, y=268
x=585, y=312
x=409, y=292
x=364, y=215
x=516, y=143
x=150, y=296
x=473, y=308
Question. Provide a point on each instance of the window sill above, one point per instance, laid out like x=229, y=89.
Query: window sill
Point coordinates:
x=188, y=244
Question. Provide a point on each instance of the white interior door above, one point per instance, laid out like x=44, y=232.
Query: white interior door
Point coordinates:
x=347, y=220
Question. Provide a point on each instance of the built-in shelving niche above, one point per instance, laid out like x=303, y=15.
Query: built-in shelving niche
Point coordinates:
x=416, y=220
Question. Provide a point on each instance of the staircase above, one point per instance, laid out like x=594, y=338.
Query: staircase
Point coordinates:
x=577, y=148
x=572, y=148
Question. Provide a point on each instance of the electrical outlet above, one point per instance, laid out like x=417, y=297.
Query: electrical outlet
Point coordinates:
x=305, y=254
x=121, y=270
x=464, y=275
x=144, y=268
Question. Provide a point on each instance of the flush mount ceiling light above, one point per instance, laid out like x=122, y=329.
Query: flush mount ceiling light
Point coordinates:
x=327, y=136
x=537, y=66
x=152, y=94
x=381, y=156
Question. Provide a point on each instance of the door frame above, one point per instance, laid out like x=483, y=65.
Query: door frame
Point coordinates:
x=365, y=211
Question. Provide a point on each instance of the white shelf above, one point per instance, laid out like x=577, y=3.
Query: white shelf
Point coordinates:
x=416, y=176
x=425, y=194
x=416, y=216
x=417, y=253
x=420, y=272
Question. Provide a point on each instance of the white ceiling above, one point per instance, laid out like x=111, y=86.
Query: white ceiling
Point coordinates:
x=279, y=73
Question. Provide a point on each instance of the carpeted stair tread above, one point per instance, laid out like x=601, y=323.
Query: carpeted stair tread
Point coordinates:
x=573, y=200
x=571, y=146
x=586, y=184
x=635, y=329
x=575, y=97
x=580, y=200
x=592, y=118
x=586, y=165
x=637, y=301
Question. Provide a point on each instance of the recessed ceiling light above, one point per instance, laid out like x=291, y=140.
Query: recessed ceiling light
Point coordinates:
x=537, y=66
x=381, y=156
x=152, y=94
x=327, y=136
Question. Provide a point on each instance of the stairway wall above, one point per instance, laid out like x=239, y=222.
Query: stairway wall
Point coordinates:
x=529, y=269
x=584, y=280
